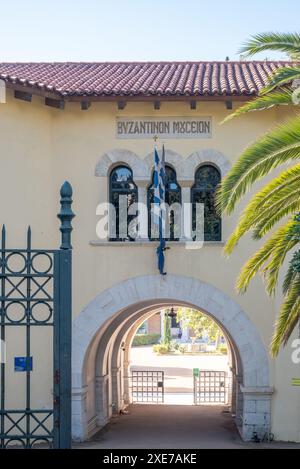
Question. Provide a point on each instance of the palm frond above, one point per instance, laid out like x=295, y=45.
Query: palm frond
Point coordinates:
x=278, y=146
x=288, y=317
x=277, y=246
x=276, y=200
x=253, y=266
x=260, y=226
x=282, y=76
x=268, y=223
x=277, y=188
x=272, y=269
x=281, y=42
x=280, y=197
x=276, y=98
x=288, y=279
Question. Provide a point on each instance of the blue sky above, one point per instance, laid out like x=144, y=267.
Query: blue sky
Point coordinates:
x=98, y=30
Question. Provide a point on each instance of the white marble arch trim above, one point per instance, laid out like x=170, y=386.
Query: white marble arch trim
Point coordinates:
x=118, y=156
x=142, y=168
x=198, y=158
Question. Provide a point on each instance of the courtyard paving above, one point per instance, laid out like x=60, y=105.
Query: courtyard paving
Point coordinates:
x=173, y=427
x=178, y=370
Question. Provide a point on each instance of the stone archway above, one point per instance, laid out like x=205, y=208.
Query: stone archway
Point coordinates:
x=110, y=311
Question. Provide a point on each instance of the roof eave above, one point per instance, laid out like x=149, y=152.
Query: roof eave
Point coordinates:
x=71, y=97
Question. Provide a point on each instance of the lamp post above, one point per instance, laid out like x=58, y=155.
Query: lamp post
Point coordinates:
x=172, y=314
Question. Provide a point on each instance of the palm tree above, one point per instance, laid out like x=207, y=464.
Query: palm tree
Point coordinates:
x=279, y=200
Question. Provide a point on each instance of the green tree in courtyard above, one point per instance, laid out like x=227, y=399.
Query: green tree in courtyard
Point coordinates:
x=167, y=330
x=199, y=322
x=279, y=200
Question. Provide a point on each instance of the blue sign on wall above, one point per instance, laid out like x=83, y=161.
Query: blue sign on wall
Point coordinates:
x=23, y=364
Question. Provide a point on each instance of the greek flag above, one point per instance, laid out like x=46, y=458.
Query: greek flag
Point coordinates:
x=159, y=209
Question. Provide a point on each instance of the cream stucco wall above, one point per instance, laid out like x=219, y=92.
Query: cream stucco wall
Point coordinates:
x=40, y=147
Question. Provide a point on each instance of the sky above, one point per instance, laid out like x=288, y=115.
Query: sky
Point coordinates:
x=132, y=30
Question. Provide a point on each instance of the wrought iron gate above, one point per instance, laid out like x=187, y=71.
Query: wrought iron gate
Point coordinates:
x=147, y=387
x=36, y=296
x=210, y=387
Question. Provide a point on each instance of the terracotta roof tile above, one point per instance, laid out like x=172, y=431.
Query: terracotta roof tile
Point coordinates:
x=142, y=78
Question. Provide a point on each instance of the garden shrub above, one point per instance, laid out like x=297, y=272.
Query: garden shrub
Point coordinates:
x=223, y=349
x=145, y=339
x=161, y=348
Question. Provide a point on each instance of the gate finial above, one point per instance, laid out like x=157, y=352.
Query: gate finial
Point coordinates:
x=3, y=237
x=66, y=215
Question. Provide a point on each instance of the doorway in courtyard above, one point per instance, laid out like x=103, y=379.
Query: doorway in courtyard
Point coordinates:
x=180, y=356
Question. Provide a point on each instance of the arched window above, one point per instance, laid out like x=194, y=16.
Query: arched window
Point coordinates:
x=207, y=178
x=121, y=184
x=173, y=196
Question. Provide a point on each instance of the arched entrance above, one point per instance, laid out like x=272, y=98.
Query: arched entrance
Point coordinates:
x=102, y=335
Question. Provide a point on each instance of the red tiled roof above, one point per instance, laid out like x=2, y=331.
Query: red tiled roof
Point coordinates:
x=142, y=78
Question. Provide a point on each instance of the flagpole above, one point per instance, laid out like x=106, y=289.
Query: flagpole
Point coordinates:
x=159, y=200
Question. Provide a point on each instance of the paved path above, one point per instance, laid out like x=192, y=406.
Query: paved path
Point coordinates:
x=162, y=426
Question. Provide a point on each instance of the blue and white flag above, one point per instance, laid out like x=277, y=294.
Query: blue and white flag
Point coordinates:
x=159, y=208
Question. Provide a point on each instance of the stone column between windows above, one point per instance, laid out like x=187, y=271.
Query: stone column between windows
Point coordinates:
x=186, y=210
x=142, y=186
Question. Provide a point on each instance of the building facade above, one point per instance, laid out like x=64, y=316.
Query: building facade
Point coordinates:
x=93, y=125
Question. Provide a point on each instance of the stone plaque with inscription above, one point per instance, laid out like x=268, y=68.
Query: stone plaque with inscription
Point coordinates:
x=163, y=127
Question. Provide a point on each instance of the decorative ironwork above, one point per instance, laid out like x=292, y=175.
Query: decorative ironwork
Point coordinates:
x=147, y=387
x=210, y=387
x=207, y=178
x=35, y=295
x=172, y=196
x=66, y=215
x=122, y=184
